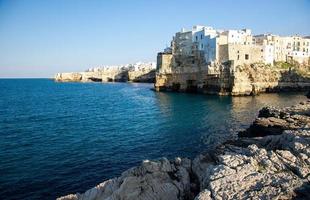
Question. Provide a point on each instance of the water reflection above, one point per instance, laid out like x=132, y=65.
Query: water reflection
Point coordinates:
x=213, y=119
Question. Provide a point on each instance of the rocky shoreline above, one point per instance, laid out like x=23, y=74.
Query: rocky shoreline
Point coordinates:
x=269, y=160
x=138, y=72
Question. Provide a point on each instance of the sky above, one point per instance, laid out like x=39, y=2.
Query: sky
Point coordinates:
x=39, y=38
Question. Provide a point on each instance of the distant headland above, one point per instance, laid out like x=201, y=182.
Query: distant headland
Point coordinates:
x=137, y=72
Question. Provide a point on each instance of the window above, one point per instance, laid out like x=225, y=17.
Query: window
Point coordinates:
x=196, y=38
x=238, y=57
x=262, y=50
x=201, y=46
x=200, y=36
x=247, y=56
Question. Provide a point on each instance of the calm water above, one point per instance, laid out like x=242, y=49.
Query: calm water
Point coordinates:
x=60, y=138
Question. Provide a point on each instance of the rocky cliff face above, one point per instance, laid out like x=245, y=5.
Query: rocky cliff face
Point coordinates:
x=68, y=77
x=270, y=160
x=142, y=76
x=107, y=76
x=259, y=78
x=225, y=79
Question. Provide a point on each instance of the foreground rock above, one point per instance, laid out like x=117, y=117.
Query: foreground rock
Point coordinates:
x=276, y=166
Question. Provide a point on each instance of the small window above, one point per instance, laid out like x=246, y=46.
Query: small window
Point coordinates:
x=193, y=61
x=262, y=50
x=200, y=36
x=238, y=57
x=201, y=46
x=196, y=38
x=247, y=56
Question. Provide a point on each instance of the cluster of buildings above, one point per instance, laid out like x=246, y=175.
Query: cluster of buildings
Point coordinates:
x=238, y=46
x=139, y=66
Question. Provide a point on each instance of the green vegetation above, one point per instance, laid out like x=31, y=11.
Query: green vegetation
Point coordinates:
x=283, y=65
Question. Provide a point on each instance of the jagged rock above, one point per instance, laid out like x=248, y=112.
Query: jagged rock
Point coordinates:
x=272, y=121
x=204, y=195
x=152, y=180
x=276, y=166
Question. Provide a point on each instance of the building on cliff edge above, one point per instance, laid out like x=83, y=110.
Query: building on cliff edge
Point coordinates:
x=206, y=57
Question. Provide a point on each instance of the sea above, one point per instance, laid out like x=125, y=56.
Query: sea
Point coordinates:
x=62, y=138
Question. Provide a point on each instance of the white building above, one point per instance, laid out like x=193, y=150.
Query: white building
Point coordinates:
x=219, y=46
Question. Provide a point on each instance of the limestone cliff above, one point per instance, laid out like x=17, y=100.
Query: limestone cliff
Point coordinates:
x=184, y=75
x=68, y=77
x=272, y=163
x=257, y=78
x=142, y=76
x=107, y=76
x=137, y=72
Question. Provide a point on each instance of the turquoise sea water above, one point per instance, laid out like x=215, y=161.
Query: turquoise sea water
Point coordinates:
x=60, y=138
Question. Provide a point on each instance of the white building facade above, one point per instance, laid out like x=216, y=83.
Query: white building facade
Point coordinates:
x=240, y=46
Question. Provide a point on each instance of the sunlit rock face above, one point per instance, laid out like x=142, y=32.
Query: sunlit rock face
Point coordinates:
x=178, y=74
x=138, y=72
x=273, y=163
x=68, y=77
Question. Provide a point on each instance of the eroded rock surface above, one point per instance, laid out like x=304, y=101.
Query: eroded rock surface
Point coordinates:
x=270, y=161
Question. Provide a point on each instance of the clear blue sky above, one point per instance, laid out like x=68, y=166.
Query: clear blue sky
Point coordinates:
x=41, y=37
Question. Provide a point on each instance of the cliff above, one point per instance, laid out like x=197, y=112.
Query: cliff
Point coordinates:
x=137, y=72
x=257, y=78
x=107, y=76
x=180, y=75
x=269, y=160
